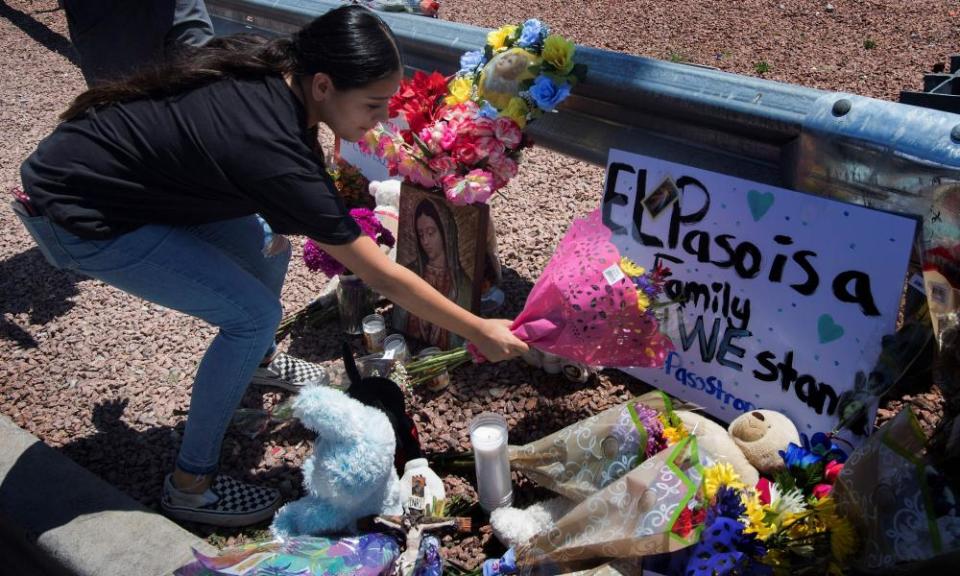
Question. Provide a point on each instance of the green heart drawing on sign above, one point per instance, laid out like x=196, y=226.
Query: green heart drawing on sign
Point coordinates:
x=827, y=329
x=759, y=203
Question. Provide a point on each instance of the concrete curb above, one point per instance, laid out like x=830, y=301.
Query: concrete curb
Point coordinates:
x=72, y=517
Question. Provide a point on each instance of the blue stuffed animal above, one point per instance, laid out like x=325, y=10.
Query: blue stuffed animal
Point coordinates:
x=350, y=474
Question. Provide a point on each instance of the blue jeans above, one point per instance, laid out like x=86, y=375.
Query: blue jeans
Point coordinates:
x=216, y=272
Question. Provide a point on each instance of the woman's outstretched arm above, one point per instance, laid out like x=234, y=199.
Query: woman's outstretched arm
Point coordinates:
x=401, y=286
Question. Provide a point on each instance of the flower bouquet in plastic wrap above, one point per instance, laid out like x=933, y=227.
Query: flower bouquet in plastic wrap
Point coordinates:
x=589, y=305
x=634, y=516
x=586, y=456
x=902, y=507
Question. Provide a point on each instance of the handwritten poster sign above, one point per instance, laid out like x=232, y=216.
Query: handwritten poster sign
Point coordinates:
x=786, y=296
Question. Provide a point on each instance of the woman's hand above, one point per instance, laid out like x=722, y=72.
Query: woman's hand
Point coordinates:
x=496, y=342
x=401, y=286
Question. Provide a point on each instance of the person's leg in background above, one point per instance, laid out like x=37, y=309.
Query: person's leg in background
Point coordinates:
x=172, y=267
x=191, y=25
x=115, y=38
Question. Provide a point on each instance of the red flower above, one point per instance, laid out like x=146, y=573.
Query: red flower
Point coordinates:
x=687, y=520
x=821, y=491
x=418, y=99
x=832, y=470
x=763, y=489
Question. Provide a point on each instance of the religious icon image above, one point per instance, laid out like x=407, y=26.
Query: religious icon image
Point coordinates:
x=446, y=246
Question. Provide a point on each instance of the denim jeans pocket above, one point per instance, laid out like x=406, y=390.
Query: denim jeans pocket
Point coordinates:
x=41, y=231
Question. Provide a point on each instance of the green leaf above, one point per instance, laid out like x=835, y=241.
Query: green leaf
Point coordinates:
x=535, y=69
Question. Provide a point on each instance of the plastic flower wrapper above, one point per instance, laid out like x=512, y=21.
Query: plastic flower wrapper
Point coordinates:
x=588, y=307
x=631, y=517
x=903, y=511
x=365, y=555
x=589, y=455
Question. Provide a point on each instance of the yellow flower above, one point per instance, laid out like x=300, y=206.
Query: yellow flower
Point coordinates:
x=497, y=39
x=643, y=301
x=673, y=434
x=558, y=53
x=517, y=111
x=757, y=516
x=460, y=89
x=630, y=268
x=843, y=537
x=720, y=474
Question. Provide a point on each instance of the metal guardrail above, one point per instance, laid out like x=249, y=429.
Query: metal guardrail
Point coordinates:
x=861, y=150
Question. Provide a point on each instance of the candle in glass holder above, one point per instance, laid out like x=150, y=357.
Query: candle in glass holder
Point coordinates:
x=488, y=435
x=374, y=332
x=395, y=348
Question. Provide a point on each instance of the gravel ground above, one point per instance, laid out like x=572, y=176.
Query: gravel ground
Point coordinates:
x=105, y=378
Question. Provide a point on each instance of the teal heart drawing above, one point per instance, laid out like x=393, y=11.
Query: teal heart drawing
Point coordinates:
x=759, y=203
x=827, y=329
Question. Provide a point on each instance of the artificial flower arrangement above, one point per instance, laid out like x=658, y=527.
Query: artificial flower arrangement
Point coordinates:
x=788, y=525
x=317, y=258
x=464, y=134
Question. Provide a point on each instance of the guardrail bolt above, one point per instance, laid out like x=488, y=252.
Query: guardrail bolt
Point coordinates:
x=955, y=134
x=841, y=107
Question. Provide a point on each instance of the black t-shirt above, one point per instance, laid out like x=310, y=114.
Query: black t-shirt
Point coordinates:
x=225, y=150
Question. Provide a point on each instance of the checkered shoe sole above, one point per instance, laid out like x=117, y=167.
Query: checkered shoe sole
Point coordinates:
x=290, y=373
x=237, y=504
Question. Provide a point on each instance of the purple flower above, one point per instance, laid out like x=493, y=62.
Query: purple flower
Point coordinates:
x=650, y=420
x=318, y=259
x=726, y=504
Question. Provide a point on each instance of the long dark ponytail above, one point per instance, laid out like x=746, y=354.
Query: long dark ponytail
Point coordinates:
x=350, y=44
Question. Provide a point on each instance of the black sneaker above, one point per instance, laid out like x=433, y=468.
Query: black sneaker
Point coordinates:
x=228, y=503
x=290, y=373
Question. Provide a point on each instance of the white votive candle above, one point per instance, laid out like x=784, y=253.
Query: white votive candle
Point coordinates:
x=488, y=435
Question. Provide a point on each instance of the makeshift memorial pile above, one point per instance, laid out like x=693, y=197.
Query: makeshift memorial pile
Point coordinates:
x=589, y=305
x=815, y=511
x=464, y=134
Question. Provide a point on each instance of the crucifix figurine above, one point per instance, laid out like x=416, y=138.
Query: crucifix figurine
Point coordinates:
x=420, y=546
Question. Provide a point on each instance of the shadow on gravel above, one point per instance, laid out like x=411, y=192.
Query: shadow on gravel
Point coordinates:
x=136, y=461
x=29, y=285
x=40, y=33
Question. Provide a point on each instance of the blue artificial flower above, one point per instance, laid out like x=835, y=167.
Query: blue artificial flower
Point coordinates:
x=822, y=445
x=470, y=61
x=546, y=94
x=532, y=34
x=488, y=111
x=799, y=456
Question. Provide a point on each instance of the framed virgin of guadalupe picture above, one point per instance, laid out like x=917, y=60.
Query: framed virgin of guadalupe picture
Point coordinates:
x=446, y=245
